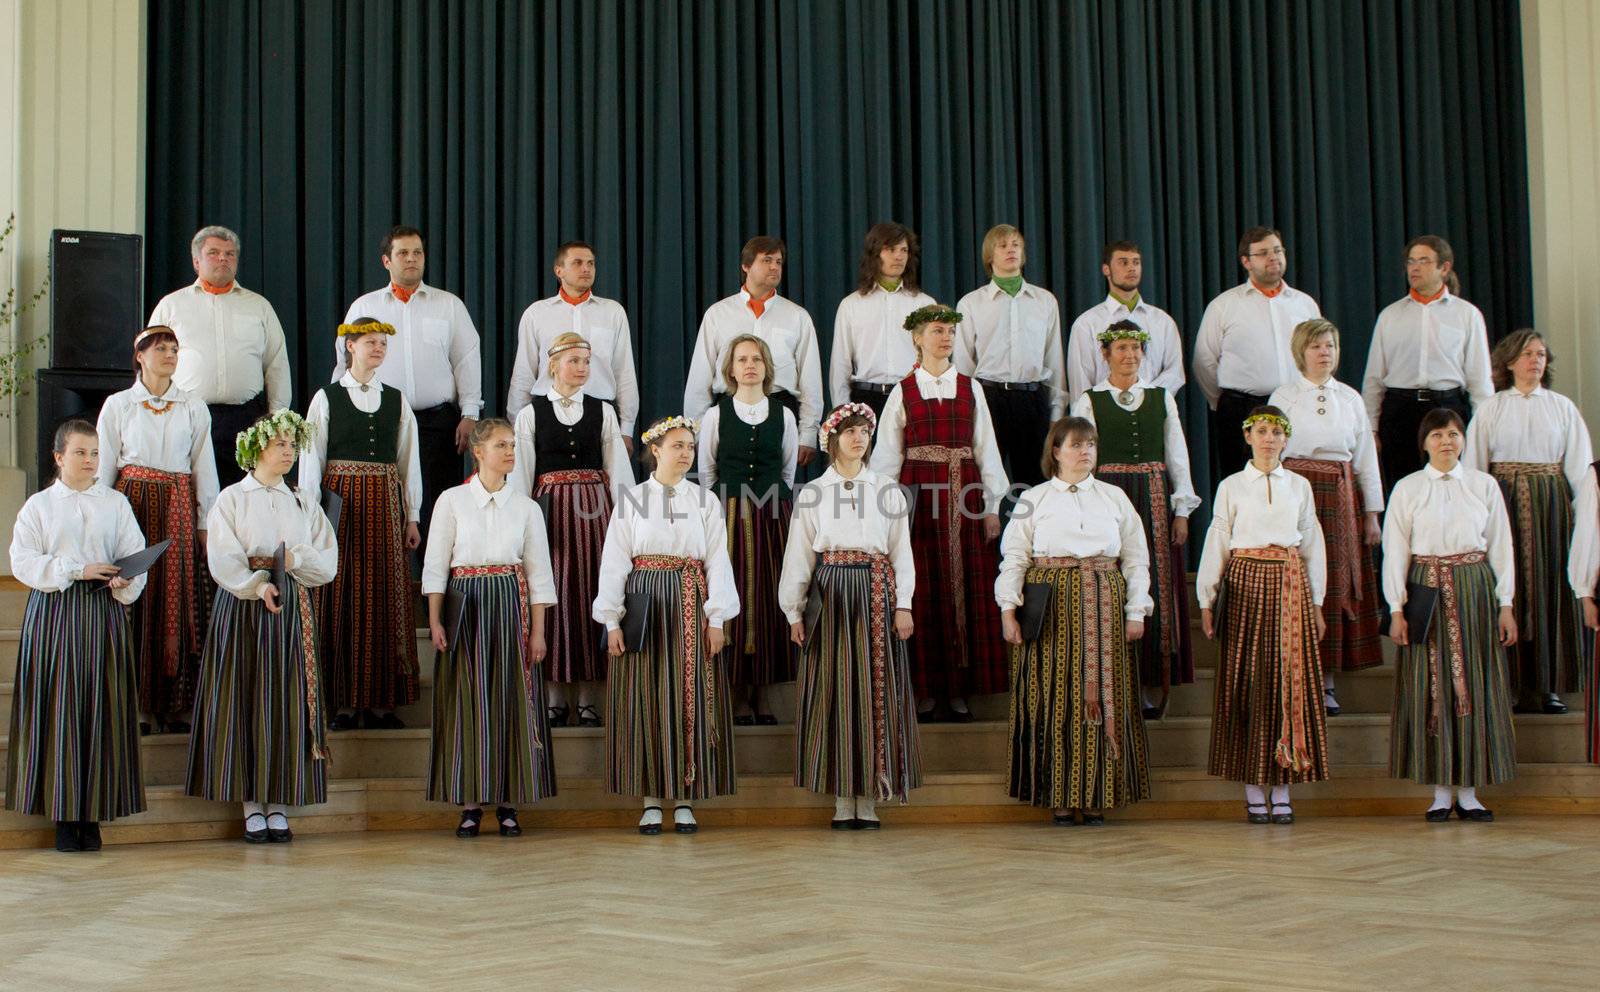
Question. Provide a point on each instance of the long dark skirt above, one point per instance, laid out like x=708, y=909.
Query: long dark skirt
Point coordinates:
x=258, y=724
x=365, y=615
x=1061, y=744
x=1472, y=749
x=760, y=652
x=491, y=734
x=1165, y=655
x=577, y=508
x=651, y=749
x=169, y=619
x=838, y=732
x=1552, y=643
x=1353, y=622
x=74, y=745
x=1268, y=726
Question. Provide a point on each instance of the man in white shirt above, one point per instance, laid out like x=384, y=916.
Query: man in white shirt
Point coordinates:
x=433, y=360
x=1430, y=349
x=231, y=349
x=1242, y=351
x=783, y=324
x=1122, y=264
x=603, y=323
x=871, y=350
x=1010, y=341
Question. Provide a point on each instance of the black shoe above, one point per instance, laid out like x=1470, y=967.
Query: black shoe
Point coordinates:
x=1437, y=815
x=744, y=720
x=1553, y=705
x=1152, y=712
x=961, y=716
x=342, y=721
x=766, y=720
x=1064, y=819
x=588, y=716
x=866, y=825
x=504, y=813
x=279, y=835
x=650, y=829
x=470, y=819
x=1282, y=818
x=89, y=835
x=684, y=828
x=928, y=716
x=1330, y=702
x=144, y=729
x=391, y=721
x=1094, y=819
x=180, y=727
x=843, y=824
x=1254, y=817
x=367, y=720
x=1474, y=815
x=557, y=715
x=258, y=835
x=67, y=838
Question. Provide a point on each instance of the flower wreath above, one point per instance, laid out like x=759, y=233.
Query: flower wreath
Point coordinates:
x=842, y=413
x=930, y=313
x=660, y=428
x=1270, y=418
x=250, y=443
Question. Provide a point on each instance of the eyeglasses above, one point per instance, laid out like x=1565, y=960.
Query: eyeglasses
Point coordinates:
x=1421, y=261
x=1277, y=252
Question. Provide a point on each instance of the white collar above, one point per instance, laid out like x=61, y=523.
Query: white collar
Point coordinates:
x=482, y=497
x=1255, y=473
x=423, y=289
x=142, y=392
x=1116, y=305
x=199, y=287
x=941, y=377
x=1061, y=487
x=555, y=397
x=1538, y=390
x=250, y=482
x=1306, y=383
x=1250, y=287
x=1458, y=473
x=831, y=477
x=994, y=290
x=349, y=381
x=1139, y=385
x=60, y=490
x=677, y=487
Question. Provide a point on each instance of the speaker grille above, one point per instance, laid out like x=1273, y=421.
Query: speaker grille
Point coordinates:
x=96, y=299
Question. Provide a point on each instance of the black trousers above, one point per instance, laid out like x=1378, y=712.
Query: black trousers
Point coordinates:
x=1227, y=432
x=227, y=420
x=1398, y=419
x=442, y=466
x=1021, y=419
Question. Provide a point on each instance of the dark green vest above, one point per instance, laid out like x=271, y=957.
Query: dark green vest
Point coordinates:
x=750, y=456
x=357, y=436
x=1130, y=437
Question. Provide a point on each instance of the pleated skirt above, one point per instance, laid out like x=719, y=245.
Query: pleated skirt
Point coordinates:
x=759, y=649
x=170, y=617
x=1165, y=656
x=837, y=740
x=1552, y=643
x=651, y=749
x=1059, y=754
x=1479, y=748
x=258, y=727
x=1255, y=705
x=576, y=515
x=491, y=734
x=1354, y=625
x=366, y=614
x=74, y=744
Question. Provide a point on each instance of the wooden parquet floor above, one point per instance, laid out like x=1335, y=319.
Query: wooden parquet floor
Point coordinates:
x=1328, y=904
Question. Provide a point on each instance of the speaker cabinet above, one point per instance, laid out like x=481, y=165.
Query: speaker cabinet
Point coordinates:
x=96, y=299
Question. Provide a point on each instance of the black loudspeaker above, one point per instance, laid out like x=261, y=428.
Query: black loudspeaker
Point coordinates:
x=96, y=299
x=64, y=395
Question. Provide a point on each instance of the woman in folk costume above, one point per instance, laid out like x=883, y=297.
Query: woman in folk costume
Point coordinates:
x=1264, y=559
x=571, y=457
x=1142, y=451
x=491, y=730
x=155, y=449
x=74, y=744
x=259, y=735
x=748, y=450
x=1447, y=529
x=1583, y=574
x=669, y=722
x=937, y=438
x=849, y=552
x=1332, y=447
x=1534, y=442
x=364, y=448
x=1078, y=741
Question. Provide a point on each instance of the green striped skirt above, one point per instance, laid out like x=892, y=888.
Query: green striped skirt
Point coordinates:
x=491, y=733
x=669, y=717
x=74, y=745
x=1077, y=726
x=1552, y=644
x=258, y=723
x=1430, y=741
x=855, y=718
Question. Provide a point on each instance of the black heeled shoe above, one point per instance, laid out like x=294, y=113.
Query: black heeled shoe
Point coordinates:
x=1437, y=815
x=557, y=715
x=470, y=819
x=1474, y=815
x=1330, y=702
x=279, y=835
x=873, y=824
x=1094, y=819
x=89, y=835
x=766, y=720
x=259, y=834
x=1067, y=819
x=651, y=829
x=1553, y=704
x=174, y=727
x=342, y=721
x=1254, y=817
x=682, y=826
x=961, y=716
x=67, y=836
x=744, y=720
x=1282, y=818
x=391, y=721
x=588, y=716
x=504, y=813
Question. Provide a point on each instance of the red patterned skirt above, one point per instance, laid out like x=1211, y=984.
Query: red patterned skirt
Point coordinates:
x=759, y=649
x=169, y=620
x=577, y=508
x=1353, y=608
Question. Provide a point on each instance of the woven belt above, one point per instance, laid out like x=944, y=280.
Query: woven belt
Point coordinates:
x=1518, y=474
x=883, y=592
x=1099, y=697
x=308, y=651
x=1293, y=750
x=951, y=458
x=178, y=583
x=569, y=476
x=343, y=466
x=1344, y=530
x=691, y=591
x=1439, y=573
x=1168, y=586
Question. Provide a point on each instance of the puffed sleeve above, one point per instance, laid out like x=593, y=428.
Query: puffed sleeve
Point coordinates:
x=1397, y=543
x=1475, y=453
x=441, y=544
x=1184, y=499
x=799, y=560
x=130, y=540
x=1365, y=460
x=109, y=429
x=523, y=472
x=987, y=449
x=409, y=461
x=1016, y=550
x=1577, y=454
x=1135, y=557
x=791, y=446
x=202, y=461
x=1214, y=553
x=613, y=453
x=31, y=561
x=536, y=558
x=722, y=596
x=1083, y=407
x=616, y=563
x=315, y=456
x=1583, y=563
x=706, y=457
x=225, y=551
x=316, y=559
x=1313, y=549
x=893, y=500
x=1497, y=539
x=888, y=442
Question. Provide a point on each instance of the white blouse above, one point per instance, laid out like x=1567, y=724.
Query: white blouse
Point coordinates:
x=569, y=410
x=1330, y=424
x=1089, y=519
x=1583, y=564
x=176, y=440
x=1446, y=513
x=250, y=520
x=1184, y=499
x=866, y=513
x=688, y=524
x=1254, y=510
x=888, y=450
x=315, y=458
x=472, y=526
x=1540, y=426
x=61, y=530
x=752, y=414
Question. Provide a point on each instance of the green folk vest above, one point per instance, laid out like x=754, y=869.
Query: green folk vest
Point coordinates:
x=357, y=436
x=1128, y=437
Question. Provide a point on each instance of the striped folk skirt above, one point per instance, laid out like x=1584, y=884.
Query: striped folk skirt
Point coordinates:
x=1353, y=608
x=258, y=732
x=856, y=720
x=74, y=745
x=169, y=619
x=669, y=719
x=1268, y=726
x=577, y=508
x=365, y=615
x=1164, y=655
x=491, y=734
x=1451, y=723
x=760, y=652
x=1077, y=725
x=1552, y=642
